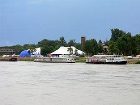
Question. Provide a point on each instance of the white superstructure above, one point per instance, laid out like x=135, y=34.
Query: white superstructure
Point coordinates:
x=60, y=59
x=106, y=59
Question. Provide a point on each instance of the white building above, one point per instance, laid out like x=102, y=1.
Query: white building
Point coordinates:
x=67, y=51
x=37, y=52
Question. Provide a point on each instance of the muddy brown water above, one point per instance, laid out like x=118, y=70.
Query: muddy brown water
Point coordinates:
x=32, y=83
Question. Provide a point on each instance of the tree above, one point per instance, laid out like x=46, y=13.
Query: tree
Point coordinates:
x=29, y=46
x=100, y=47
x=125, y=44
x=70, y=50
x=122, y=43
x=71, y=43
x=18, y=48
x=62, y=41
x=91, y=47
x=48, y=46
x=78, y=46
x=43, y=43
x=136, y=39
x=116, y=34
x=113, y=48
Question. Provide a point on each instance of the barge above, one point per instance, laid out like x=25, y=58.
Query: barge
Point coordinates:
x=106, y=59
x=60, y=59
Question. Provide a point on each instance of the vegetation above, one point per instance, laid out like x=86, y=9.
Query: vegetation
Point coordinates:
x=91, y=47
x=121, y=42
x=81, y=59
x=124, y=43
x=138, y=62
x=26, y=59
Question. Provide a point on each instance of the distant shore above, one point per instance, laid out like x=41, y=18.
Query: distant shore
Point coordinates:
x=133, y=61
x=129, y=61
x=83, y=60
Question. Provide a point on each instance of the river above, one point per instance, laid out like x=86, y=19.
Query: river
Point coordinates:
x=33, y=83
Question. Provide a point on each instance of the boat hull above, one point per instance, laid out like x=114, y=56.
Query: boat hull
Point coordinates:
x=106, y=59
x=55, y=60
x=121, y=62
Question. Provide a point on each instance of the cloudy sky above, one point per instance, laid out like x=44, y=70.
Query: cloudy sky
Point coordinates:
x=29, y=21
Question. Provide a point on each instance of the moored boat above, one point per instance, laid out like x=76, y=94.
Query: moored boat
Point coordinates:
x=60, y=59
x=106, y=59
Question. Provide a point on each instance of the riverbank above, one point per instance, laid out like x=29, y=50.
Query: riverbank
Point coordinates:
x=83, y=60
x=26, y=59
x=133, y=61
x=137, y=62
x=129, y=61
x=80, y=60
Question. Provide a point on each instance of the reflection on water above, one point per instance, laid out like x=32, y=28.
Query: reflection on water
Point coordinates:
x=30, y=83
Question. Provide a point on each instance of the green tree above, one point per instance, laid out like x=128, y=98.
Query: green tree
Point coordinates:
x=29, y=46
x=116, y=34
x=113, y=48
x=18, y=48
x=70, y=50
x=78, y=46
x=125, y=44
x=48, y=46
x=122, y=43
x=71, y=43
x=137, y=42
x=46, y=50
x=62, y=41
x=100, y=47
x=91, y=47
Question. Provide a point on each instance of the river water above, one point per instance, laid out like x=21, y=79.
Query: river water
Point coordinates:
x=32, y=83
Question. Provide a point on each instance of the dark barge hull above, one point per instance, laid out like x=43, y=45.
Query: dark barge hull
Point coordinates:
x=121, y=62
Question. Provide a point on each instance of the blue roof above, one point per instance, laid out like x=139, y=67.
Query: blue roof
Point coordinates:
x=25, y=53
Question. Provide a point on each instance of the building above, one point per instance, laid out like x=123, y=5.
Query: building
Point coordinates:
x=67, y=51
x=7, y=51
x=83, y=42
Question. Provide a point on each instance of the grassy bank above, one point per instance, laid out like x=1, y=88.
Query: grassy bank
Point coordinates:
x=137, y=62
x=26, y=59
x=133, y=61
x=81, y=60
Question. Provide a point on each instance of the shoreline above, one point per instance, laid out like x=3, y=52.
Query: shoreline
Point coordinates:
x=133, y=61
x=83, y=60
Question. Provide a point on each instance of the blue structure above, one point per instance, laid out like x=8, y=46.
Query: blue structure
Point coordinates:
x=25, y=53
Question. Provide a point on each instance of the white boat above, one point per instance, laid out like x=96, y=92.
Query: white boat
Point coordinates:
x=106, y=59
x=60, y=59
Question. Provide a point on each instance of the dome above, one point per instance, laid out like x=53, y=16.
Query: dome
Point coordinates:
x=25, y=53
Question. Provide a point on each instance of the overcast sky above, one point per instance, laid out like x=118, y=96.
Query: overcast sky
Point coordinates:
x=29, y=21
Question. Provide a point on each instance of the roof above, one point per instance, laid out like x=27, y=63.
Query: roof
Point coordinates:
x=61, y=50
x=25, y=53
x=65, y=51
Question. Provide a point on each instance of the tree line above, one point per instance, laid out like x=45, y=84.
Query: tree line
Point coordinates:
x=121, y=42
x=47, y=46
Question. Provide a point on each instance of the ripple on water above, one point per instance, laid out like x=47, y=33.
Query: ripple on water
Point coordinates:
x=31, y=83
